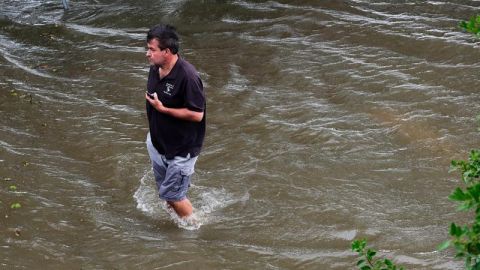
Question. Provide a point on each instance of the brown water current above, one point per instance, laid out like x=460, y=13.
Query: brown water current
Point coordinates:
x=327, y=121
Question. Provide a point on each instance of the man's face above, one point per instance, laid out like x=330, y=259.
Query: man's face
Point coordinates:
x=155, y=55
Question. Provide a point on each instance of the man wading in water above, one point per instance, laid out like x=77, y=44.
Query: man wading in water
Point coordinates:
x=176, y=117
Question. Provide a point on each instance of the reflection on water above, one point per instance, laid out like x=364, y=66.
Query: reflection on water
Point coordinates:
x=328, y=121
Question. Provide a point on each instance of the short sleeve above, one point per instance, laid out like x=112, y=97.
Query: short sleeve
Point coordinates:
x=194, y=94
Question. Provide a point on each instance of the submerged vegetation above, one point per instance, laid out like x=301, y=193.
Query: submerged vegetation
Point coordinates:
x=472, y=26
x=464, y=238
x=12, y=189
x=15, y=205
x=367, y=259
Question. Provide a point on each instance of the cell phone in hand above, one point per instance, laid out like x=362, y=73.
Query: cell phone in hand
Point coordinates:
x=150, y=95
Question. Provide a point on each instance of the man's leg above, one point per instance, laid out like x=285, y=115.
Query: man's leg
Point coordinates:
x=174, y=191
x=158, y=165
x=183, y=208
x=177, y=181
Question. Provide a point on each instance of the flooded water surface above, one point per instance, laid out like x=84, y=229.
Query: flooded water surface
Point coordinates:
x=327, y=121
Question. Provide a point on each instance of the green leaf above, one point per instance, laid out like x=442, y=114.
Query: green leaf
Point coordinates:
x=366, y=267
x=361, y=262
x=359, y=245
x=370, y=254
x=453, y=165
x=459, y=195
x=476, y=266
x=15, y=205
x=465, y=206
x=356, y=245
x=455, y=230
x=460, y=254
x=474, y=192
x=444, y=245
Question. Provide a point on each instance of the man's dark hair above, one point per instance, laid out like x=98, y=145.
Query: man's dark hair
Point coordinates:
x=166, y=36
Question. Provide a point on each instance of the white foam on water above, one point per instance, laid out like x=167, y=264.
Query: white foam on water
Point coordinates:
x=146, y=196
x=206, y=200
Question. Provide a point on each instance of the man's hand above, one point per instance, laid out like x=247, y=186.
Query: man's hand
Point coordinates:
x=155, y=102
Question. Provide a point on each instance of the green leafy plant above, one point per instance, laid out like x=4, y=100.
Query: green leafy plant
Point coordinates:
x=466, y=239
x=472, y=26
x=15, y=205
x=367, y=259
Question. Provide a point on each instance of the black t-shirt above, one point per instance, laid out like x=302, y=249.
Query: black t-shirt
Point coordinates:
x=181, y=88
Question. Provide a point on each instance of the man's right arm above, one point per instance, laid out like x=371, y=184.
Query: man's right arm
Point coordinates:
x=180, y=113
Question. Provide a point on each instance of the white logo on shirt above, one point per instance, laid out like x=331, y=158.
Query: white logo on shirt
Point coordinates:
x=169, y=89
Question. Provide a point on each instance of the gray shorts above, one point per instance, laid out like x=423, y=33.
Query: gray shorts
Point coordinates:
x=171, y=175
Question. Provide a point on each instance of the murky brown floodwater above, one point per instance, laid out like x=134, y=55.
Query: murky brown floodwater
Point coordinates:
x=327, y=121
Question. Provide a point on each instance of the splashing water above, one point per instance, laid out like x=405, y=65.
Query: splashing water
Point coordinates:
x=208, y=200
